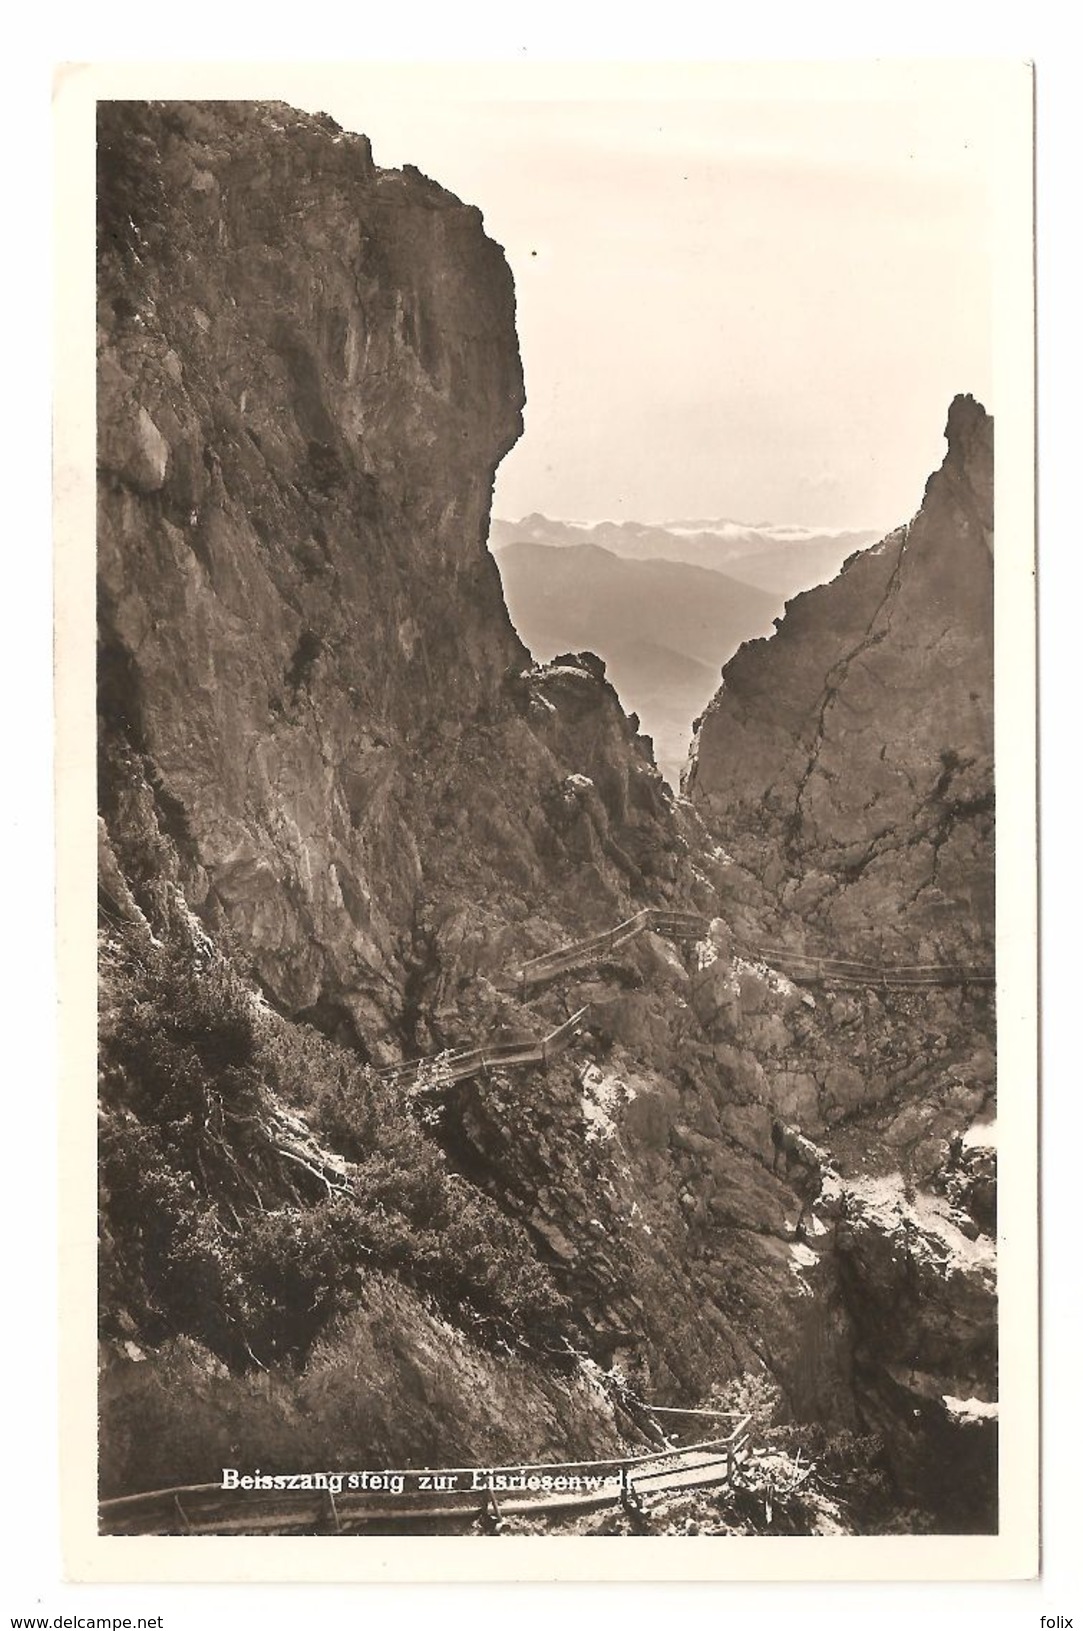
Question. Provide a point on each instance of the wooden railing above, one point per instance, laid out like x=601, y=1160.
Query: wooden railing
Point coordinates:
x=450, y=1493
x=675, y=925
x=456, y=1066
x=806, y=969
x=801, y=967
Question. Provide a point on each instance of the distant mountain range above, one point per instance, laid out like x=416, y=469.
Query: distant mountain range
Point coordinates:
x=665, y=606
x=782, y=560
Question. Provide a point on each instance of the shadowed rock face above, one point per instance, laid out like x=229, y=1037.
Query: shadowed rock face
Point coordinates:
x=923, y=1295
x=317, y=723
x=308, y=374
x=847, y=766
x=848, y=760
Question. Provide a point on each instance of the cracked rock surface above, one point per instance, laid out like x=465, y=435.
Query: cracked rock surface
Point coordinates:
x=846, y=765
x=319, y=732
x=848, y=760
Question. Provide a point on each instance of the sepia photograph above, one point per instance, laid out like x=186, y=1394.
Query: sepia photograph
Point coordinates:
x=563, y=566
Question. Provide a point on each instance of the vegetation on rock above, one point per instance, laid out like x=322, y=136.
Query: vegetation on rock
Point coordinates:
x=339, y=804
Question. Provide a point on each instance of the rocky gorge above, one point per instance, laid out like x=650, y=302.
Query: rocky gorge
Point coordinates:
x=341, y=806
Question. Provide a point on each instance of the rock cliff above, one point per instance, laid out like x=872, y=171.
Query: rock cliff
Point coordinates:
x=340, y=807
x=847, y=765
x=849, y=759
x=308, y=374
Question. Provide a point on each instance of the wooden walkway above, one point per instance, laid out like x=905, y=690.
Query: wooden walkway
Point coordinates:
x=419, y=1496
x=801, y=967
x=674, y=925
x=805, y=969
x=456, y=1066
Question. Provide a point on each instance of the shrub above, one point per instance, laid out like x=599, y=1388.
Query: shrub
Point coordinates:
x=298, y=1267
x=850, y=1467
x=754, y=1394
x=166, y=1260
x=210, y=1231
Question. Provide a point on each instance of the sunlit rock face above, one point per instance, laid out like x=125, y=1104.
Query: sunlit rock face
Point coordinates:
x=848, y=760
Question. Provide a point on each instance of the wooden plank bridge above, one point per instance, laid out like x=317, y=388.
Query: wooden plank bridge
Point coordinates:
x=802, y=968
x=674, y=925
x=805, y=969
x=458, y=1065
x=454, y=1496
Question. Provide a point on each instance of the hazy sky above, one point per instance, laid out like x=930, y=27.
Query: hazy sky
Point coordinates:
x=735, y=298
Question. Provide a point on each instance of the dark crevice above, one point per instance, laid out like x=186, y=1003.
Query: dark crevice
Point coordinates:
x=303, y=661
x=333, y=1019
x=836, y=677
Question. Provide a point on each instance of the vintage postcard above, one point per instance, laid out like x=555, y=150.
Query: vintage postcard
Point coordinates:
x=546, y=703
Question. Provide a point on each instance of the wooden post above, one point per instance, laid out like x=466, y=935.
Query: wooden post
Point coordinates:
x=630, y=1499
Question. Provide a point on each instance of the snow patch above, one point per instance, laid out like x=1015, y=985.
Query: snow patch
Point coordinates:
x=926, y=1223
x=970, y=1409
x=774, y=981
x=559, y=671
x=603, y=1093
x=202, y=944
x=803, y=1257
